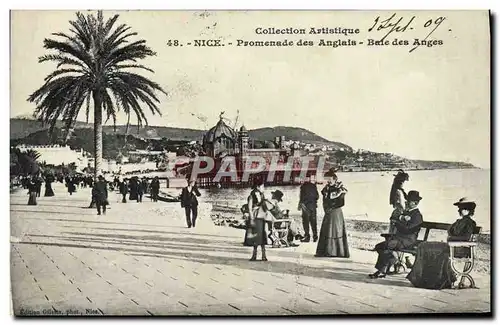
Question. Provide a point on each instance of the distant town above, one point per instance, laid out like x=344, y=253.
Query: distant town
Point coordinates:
x=147, y=151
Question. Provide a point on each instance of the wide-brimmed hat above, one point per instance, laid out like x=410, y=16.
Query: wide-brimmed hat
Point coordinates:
x=332, y=172
x=465, y=202
x=414, y=196
x=278, y=195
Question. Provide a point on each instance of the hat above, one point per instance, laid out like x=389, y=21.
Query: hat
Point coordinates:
x=278, y=195
x=413, y=196
x=402, y=174
x=256, y=182
x=465, y=202
x=331, y=172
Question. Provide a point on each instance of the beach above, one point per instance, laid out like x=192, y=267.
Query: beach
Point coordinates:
x=368, y=194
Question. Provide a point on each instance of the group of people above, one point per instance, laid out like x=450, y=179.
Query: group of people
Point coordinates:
x=332, y=239
x=33, y=183
x=136, y=188
x=405, y=223
x=404, y=226
x=77, y=180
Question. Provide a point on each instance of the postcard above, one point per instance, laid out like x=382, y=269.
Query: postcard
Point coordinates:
x=271, y=163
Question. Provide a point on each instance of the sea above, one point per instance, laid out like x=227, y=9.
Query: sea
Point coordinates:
x=368, y=194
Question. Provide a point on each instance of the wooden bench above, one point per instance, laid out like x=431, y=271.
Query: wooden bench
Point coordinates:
x=469, y=260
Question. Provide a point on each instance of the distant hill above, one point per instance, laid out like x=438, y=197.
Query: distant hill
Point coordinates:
x=23, y=127
x=293, y=133
x=28, y=131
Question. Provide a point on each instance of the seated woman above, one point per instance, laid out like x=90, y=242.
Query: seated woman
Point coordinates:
x=293, y=229
x=432, y=268
x=463, y=228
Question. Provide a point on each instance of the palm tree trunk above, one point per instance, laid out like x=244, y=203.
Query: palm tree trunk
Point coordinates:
x=126, y=130
x=97, y=140
x=97, y=136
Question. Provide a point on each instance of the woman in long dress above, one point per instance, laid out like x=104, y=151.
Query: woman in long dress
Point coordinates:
x=432, y=269
x=258, y=214
x=48, y=185
x=70, y=184
x=333, y=236
x=32, y=188
x=134, y=191
x=397, y=198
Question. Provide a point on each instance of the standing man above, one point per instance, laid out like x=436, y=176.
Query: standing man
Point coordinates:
x=189, y=202
x=408, y=226
x=145, y=185
x=155, y=189
x=100, y=194
x=308, y=204
x=140, y=190
x=38, y=182
x=124, y=190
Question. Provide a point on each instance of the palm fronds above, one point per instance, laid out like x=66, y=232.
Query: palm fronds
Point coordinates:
x=95, y=60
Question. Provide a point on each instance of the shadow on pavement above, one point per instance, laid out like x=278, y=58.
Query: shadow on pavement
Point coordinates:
x=154, y=231
x=54, y=212
x=192, y=253
x=234, y=245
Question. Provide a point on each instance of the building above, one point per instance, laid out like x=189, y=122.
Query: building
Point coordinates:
x=222, y=141
x=58, y=155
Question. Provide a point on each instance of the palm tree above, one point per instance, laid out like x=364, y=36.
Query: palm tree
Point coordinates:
x=25, y=162
x=33, y=154
x=95, y=62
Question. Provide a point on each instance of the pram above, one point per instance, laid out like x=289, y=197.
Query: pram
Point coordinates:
x=280, y=231
x=280, y=228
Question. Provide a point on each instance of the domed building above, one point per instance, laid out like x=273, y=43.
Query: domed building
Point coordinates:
x=220, y=139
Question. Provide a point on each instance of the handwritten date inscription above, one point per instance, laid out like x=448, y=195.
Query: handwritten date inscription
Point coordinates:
x=395, y=24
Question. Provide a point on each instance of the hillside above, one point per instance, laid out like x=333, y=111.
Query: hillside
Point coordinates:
x=28, y=131
x=23, y=127
x=293, y=133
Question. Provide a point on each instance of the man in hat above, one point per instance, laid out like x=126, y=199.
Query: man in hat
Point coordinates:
x=308, y=204
x=123, y=188
x=408, y=227
x=155, y=189
x=189, y=201
x=100, y=194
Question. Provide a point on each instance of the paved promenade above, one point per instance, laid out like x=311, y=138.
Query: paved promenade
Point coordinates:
x=140, y=259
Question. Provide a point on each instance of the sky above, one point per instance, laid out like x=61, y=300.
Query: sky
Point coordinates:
x=432, y=103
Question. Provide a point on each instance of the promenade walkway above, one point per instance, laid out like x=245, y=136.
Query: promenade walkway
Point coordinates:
x=140, y=259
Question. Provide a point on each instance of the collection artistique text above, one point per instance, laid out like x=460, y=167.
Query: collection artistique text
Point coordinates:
x=303, y=31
